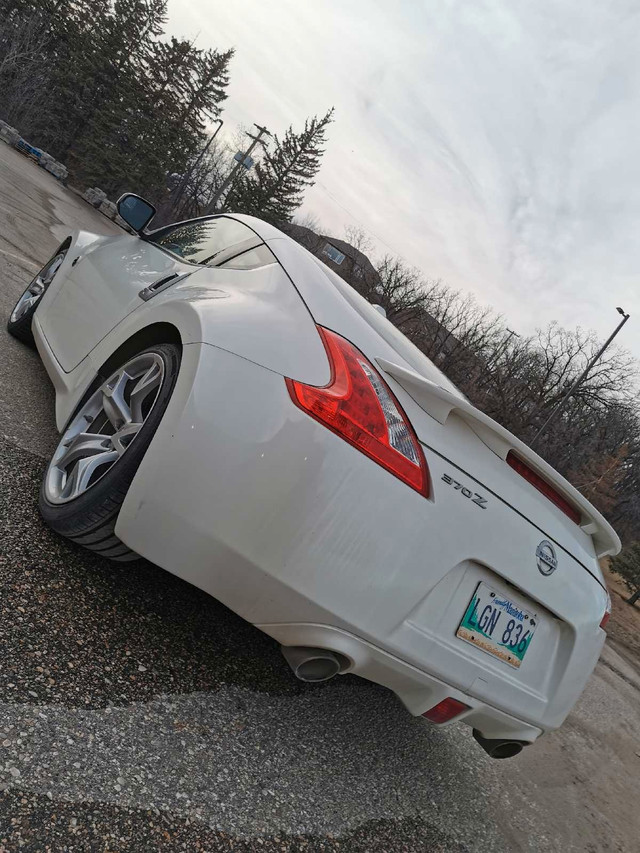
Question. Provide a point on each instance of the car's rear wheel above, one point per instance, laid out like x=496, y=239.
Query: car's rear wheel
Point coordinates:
x=19, y=323
x=100, y=451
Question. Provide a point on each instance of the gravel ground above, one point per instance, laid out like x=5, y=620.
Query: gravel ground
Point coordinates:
x=138, y=714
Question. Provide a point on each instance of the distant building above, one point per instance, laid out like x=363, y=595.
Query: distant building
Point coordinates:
x=350, y=263
x=429, y=334
x=344, y=259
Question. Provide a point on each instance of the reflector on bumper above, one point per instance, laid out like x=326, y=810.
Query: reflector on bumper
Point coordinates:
x=445, y=710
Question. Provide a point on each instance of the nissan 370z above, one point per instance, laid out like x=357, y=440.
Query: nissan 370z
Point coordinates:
x=233, y=411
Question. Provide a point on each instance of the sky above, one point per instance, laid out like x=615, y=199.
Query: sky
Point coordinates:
x=493, y=144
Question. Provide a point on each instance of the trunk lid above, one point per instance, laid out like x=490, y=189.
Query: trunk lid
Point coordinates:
x=447, y=408
x=444, y=420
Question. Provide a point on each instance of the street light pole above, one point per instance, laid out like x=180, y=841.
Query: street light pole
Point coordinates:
x=582, y=376
x=262, y=131
x=165, y=210
x=502, y=348
x=187, y=177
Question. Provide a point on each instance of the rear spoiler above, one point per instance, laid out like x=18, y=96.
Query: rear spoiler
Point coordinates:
x=440, y=403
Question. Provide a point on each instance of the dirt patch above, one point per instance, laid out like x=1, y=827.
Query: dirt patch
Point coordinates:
x=623, y=629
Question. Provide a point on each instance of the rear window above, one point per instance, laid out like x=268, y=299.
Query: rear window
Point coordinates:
x=259, y=256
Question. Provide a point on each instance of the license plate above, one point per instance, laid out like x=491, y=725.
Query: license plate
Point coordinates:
x=496, y=625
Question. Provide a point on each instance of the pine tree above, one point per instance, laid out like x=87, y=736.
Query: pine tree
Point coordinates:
x=31, y=46
x=186, y=87
x=152, y=120
x=275, y=189
x=627, y=565
x=99, y=145
x=106, y=95
x=79, y=59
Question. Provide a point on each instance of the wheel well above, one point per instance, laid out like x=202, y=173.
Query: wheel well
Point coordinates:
x=158, y=333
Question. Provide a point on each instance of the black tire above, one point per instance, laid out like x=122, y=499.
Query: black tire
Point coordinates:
x=21, y=328
x=90, y=519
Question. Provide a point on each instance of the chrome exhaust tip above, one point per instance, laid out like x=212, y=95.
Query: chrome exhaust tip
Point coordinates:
x=311, y=664
x=498, y=747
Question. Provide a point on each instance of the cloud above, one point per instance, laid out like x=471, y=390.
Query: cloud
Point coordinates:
x=493, y=144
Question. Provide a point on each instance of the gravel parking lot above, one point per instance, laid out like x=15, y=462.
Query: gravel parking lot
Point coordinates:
x=138, y=714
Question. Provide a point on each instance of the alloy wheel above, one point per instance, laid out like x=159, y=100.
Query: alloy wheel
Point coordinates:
x=34, y=292
x=104, y=427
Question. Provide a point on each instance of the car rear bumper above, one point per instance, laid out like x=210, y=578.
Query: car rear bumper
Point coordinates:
x=418, y=690
x=245, y=496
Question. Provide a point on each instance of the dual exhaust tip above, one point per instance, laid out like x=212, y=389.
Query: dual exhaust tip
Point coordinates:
x=498, y=747
x=312, y=665
x=316, y=665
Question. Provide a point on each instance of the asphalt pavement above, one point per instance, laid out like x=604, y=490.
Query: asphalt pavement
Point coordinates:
x=139, y=714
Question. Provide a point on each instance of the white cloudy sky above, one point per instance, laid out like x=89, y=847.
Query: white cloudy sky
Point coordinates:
x=492, y=143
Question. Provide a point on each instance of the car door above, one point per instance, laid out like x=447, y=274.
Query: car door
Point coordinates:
x=101, y=289
x=109, y=282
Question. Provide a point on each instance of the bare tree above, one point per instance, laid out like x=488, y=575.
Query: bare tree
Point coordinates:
x=358, y=238
x=399, y=289
x=308, y=220
x=627, y=565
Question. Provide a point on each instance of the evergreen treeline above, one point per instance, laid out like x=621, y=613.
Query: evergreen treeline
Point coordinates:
x=98, y=85
x=117, y=104
x=274, y=189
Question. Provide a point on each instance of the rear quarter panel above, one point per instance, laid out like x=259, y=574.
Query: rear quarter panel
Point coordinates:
x=255, y=314
x=454, y=440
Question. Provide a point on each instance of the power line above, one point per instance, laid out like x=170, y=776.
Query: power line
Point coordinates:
x=362, y=224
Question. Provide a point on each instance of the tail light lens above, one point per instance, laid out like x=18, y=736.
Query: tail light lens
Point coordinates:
x=607, y=612
x=359, y=406
x=445, y=710
x=542, y=486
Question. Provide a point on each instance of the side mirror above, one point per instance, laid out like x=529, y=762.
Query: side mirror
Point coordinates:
x=136, y=211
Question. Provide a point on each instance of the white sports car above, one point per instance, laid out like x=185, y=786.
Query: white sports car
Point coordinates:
x=233, y=411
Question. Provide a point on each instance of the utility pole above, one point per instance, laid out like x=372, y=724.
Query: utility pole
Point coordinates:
x=582, y=377
x=262, y=131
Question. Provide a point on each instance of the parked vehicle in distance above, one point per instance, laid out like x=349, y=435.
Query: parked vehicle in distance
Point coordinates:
x=233, y=411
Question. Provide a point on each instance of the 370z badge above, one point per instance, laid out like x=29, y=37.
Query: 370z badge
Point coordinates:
x=474, y=497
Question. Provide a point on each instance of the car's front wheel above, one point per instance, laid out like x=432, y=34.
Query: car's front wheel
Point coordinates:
x=100, y=451
x=19, y=323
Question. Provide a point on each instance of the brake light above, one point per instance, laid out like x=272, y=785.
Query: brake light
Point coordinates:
x=607, y=612
x=445, y=710
x=359, y=406
x=542, y=486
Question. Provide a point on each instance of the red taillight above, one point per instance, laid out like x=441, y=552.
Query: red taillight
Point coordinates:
x=359, y=406
x=607, y=612
x=542, y=486
x=445, y=710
